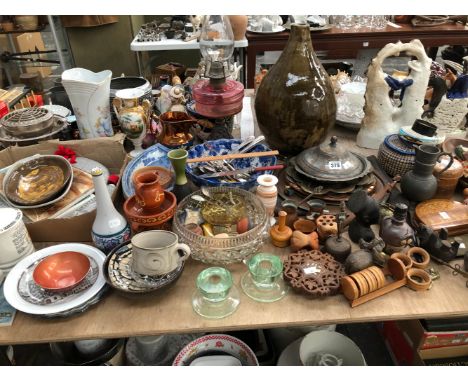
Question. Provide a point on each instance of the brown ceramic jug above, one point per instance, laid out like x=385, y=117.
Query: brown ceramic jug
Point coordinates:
x=148, y=191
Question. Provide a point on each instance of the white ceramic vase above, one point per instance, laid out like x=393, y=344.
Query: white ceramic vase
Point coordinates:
x=267, y=192
x=89, y=95
x=109, y=228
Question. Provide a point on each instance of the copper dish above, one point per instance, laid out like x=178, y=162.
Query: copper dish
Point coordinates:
x=37, y=180
x=61, y=271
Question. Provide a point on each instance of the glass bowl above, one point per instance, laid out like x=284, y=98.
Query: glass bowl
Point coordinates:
x=222, y=251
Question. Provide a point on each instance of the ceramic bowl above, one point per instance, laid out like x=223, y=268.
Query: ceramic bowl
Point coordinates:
x=34, y=181
x=222, y=147
x=216, y=344
x=61, y=271
x=450, y=143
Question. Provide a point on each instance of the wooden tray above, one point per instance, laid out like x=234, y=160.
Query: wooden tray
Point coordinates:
x=444, y=213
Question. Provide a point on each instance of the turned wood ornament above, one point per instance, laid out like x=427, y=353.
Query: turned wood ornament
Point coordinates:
x=326, y=226
x=280, y=233
x=301, y=240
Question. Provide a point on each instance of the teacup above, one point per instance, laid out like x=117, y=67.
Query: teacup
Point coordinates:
x=156, y=252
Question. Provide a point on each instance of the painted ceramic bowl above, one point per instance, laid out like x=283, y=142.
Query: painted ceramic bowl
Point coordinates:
x=34, y=181
x=222, y=147
x=216, y=344
x=61, y=271
x=155, y=155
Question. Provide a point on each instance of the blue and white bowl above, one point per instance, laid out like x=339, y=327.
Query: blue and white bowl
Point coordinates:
x=155, y=155
x=223, y=147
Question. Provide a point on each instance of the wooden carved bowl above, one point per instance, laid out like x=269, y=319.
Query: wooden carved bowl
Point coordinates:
x=61, y=271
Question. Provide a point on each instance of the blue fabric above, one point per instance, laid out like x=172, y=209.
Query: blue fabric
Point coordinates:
x=399, y=85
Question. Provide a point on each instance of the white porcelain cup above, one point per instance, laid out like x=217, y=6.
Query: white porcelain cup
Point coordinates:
x=324, y=345
x=15, y=242
x=157, y=252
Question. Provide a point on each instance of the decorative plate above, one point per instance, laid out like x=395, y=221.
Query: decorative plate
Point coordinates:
x=120, y=276
x=14, y=298
x=216, y=344
x=276, y=29
x=155, y=155
x=222, y=147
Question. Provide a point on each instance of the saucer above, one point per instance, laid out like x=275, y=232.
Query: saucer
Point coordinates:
x=275, y=293
x=120, y=276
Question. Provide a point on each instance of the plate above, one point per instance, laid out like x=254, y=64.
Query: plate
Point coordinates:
x=277, y=29
x=216, y=344
x=87, y=165
x=347, y=123
x=155, y=155
x=11, y=283
x=59, y=110
x=290, y=355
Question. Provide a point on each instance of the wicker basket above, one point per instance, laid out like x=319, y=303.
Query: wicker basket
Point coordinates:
x=395, y=155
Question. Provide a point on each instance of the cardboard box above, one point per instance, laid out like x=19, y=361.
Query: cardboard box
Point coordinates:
x=108, y=151
x=26, y=42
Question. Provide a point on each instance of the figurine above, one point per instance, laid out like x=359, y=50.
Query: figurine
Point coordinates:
x=437, y=244
x=382, y=117
x=367, y=212
x=177, y=99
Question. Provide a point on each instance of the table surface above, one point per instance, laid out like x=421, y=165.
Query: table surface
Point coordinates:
x=171, y=312
x=174, y=44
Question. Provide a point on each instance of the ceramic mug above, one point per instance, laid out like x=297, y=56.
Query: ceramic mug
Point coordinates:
x=15, y=242
x=157, y=252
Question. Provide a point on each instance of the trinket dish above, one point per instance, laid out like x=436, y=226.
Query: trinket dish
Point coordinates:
x=223, y=147
x=120, y=276
x=73, y=303
x=216, y=344
x=155, y=155
x=61, y=271
x=35, y=181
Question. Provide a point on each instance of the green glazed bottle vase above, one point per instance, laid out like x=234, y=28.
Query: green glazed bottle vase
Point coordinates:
x=295, y=102
x=178, y=158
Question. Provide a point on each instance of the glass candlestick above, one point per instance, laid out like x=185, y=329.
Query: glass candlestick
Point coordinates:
x=216, y=296
x=263, y=281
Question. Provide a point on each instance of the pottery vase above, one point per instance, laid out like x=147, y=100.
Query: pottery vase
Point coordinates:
x=109, y=228
x=267, y=192
x=178, y=158
x=420, y=184
x=89, y=94
x=148, y=191
x=395, y=232
x=295, y=102
x=239, y=26
x=133, y=118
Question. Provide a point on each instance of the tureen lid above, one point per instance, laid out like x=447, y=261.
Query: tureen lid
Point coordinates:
x=331, y=162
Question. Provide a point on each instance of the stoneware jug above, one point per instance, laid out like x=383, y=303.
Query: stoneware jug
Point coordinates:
x=420, y=184
x=149, y=192
x=295, y=102
x=133, y=117
x=89, y=95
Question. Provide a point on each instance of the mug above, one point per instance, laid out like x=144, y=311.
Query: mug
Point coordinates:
x=15, y=242
x=156, y=252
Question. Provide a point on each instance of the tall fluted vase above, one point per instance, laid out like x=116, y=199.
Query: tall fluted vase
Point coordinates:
x=295, y=102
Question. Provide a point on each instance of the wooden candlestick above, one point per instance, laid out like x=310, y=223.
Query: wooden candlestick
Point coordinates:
x=281, y=234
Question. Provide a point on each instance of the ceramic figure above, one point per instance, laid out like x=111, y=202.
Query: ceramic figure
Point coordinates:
x=367, y=212
x=109, y=228
x=164, y=102
x=267, y=192
x=149, y=193
x=89, y=94
x=420, y=184
x=396, y=233
x=382, y=117
x=177, y=99
x=133, y=118
x=295, y=102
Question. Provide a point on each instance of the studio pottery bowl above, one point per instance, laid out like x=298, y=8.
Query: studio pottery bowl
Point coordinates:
x=61, y=271
x=34, y=181
x=222, y=147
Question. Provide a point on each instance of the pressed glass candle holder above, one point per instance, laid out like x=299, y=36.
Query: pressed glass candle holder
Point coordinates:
x=216, y=296
x=263, y=281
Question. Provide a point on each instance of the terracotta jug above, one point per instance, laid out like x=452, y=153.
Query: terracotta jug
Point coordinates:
x=149, y=193
x=295, y=102
x=239, y=26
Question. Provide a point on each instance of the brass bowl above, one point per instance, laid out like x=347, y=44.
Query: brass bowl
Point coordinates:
x=36, y=180
x=62, y=271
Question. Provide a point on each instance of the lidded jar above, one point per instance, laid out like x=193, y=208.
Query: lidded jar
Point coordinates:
x=447, y=180
x=395, y=231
